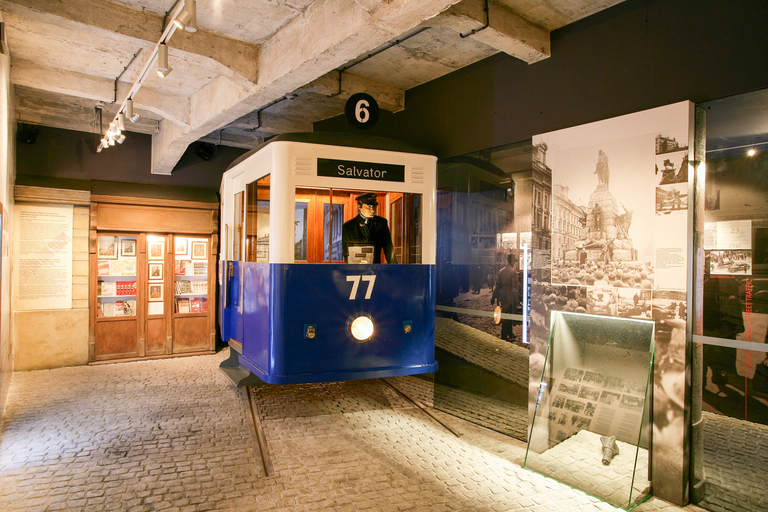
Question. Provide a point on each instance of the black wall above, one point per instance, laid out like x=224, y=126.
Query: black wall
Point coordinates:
x=57, y=153
x=637, y=55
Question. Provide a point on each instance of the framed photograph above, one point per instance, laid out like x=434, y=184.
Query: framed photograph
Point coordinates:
x=199, y=250
x=155, y=271
x=128, y=247
x=156, y=249
x=107, y=249
x=155, y=292
x=181, y=246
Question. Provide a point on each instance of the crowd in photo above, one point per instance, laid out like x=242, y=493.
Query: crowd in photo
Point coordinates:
x=617, y=274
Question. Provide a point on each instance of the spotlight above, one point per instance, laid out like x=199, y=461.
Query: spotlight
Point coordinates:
x=129, y=112
x=121, y=121
x=182, y=19
x=162, y=60
x=191, y=7
x=751, y=152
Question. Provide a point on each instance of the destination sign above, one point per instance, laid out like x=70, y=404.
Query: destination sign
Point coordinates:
x=360, y=170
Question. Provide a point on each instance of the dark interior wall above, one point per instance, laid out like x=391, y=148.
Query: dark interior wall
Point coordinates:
x=57, y=153
x=639, y=54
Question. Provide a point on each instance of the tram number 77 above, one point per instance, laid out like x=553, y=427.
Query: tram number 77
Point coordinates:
x=355, y=280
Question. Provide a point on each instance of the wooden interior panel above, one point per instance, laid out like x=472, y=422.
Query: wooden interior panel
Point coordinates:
x=116, y=339
x=120, y=217
x=191, y=334
x=156, y=337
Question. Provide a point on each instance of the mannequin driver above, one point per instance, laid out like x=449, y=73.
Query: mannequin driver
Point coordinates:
x=368, y=228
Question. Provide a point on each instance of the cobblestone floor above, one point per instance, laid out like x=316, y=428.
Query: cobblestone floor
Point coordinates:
x=173, y=435
x=735, y=460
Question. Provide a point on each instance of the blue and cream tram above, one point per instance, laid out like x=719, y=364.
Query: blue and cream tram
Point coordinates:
x=301, y=300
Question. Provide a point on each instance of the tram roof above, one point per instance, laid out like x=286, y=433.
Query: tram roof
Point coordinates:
x=353, y=140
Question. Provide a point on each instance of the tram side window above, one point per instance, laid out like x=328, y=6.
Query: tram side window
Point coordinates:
x=237, y=224
x=257, y=223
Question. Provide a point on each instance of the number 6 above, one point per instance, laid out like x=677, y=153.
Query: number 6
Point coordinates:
x=361, y=111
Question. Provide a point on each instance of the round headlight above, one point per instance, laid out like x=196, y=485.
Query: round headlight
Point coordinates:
x=361, y=328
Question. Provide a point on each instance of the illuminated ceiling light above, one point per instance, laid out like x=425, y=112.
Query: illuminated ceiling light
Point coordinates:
x=751, y=152
x=162, y=60
x=361, y=328
x=191, y=7
x=182, y=19
x=129, y=112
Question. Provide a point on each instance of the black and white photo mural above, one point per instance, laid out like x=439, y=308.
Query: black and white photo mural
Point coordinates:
x=619, y=248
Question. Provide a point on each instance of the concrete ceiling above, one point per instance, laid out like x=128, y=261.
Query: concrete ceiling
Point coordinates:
x=254, y=68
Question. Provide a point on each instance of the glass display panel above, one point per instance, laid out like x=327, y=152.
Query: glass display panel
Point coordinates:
x=190, y=275
x=591, y=425
x=257, y=225
x=116, y=276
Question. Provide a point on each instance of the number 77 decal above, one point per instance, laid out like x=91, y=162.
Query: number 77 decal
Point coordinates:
x=355, y=280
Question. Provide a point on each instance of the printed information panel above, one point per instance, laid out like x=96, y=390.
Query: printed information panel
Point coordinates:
x=44, y=248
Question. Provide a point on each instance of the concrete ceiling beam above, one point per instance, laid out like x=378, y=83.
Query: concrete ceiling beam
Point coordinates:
x=271, y=123
x=101, y=90
x=70, y=112
x=508, y=32
x=238, y=56
x=388, y=97
x=308, y=47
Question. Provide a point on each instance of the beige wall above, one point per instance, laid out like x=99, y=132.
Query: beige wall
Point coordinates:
x=7, y=175
x=58, y=337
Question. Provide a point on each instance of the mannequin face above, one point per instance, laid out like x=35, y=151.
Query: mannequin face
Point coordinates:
x=367, y=210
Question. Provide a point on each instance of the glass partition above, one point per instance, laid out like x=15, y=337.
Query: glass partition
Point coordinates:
x=591, y=424
x=483, y=218
x=730, y=374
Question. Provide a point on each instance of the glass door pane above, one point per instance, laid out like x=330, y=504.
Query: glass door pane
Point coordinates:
x=333, y=218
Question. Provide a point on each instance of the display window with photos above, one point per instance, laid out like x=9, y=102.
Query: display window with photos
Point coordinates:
x=190, y=271
x=155, y=274
x=116, y=275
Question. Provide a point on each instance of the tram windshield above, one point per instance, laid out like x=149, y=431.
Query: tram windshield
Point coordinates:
x=338, y=226
x=357, y=226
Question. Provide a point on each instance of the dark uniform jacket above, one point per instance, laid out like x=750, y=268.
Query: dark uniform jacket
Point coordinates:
x=374, y=231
